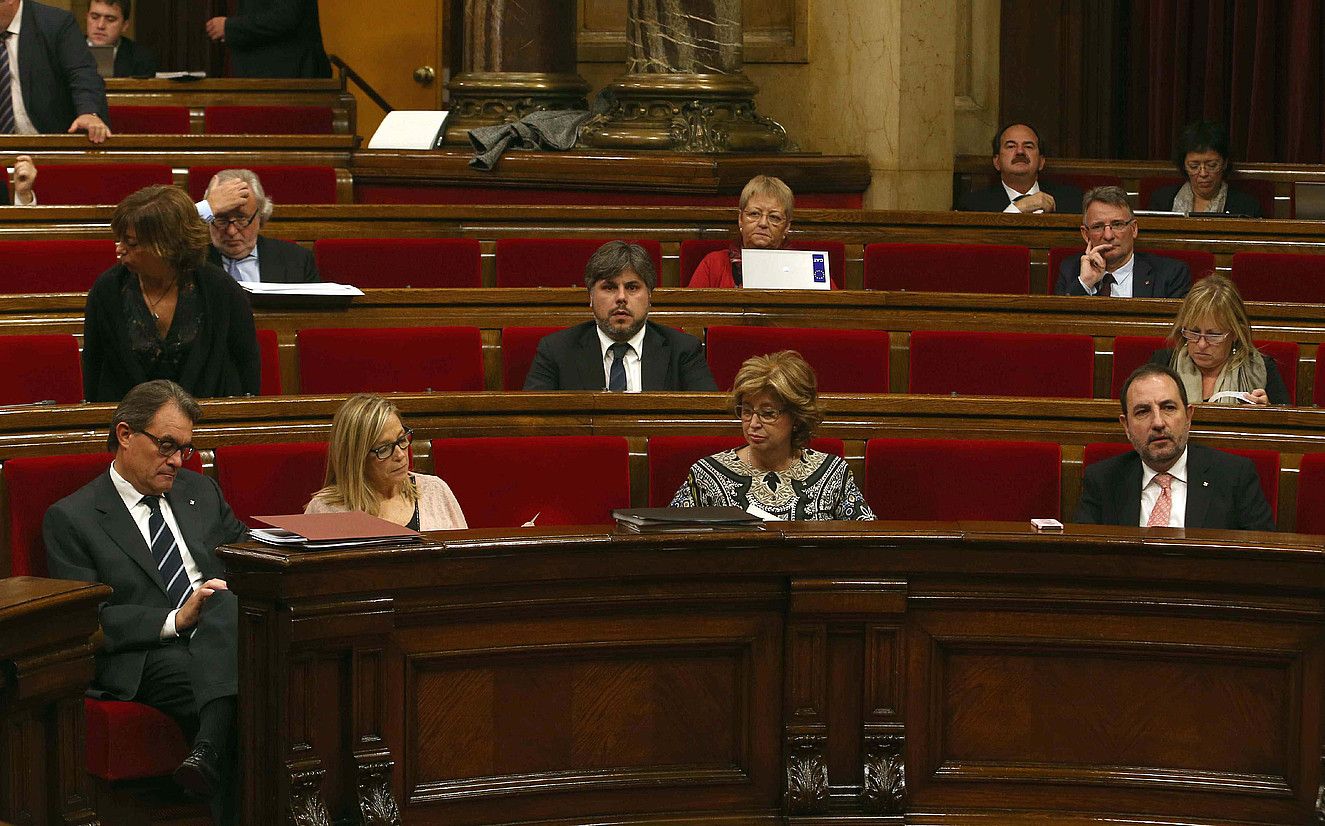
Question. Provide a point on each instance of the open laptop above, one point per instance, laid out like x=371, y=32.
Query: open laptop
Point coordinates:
x=105, y=58
x=784, y=270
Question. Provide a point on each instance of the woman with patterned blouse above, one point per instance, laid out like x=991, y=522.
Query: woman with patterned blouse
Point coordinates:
x=776, y=475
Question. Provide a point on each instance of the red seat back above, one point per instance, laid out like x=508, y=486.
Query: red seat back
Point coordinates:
x=1311, y=494
x=1129, y=353
x=1285, y=355
x=268, y=120
x=38, y=368
x=400, y=262
x=845, y=361
x=390, y=360
x=269, y=354
x=555, y=262
x=1266, y=462
x=96, y=183
x=1318, y=384
x=566, y=480
x=518, y=346
x=1280, y=276
x=33, y=484
x=670, y=459
x=1146, y=187
x=283, y=184
x=1002, y=364
x=150, y=120
x=1084, y=182
x=54, y=265
x=948, y=268
x=270, y=479
x=960, y=479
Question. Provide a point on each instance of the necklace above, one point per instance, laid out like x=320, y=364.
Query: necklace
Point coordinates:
x=151, y=305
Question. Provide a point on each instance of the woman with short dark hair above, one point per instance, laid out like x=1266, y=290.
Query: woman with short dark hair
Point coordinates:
x=1201, y=156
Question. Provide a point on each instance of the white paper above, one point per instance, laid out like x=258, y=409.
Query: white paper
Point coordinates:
x=409, y=129
x=313, y=288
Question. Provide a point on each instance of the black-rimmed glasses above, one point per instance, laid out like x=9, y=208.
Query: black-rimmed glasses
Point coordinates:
x=383, y=452
x=766, y=415
x=242, y=222
x=169, y=447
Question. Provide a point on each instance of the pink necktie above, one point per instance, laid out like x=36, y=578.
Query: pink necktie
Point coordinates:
x=1159, y=516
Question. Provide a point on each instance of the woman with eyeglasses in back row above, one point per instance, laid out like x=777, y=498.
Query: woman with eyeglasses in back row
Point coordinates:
x=1210, y=349
x=368, y=470
x=1201, y=156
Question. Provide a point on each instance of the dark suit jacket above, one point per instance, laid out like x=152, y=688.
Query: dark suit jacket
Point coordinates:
x=1153, y=276
x=57, y=72
x=90, y=536
x=1067, y=198
x=276, y=38
x=1237, y=202
x=134, y=60
x=572, y=359
x=281, y=262
x=1274, y=383
x=1223, y=491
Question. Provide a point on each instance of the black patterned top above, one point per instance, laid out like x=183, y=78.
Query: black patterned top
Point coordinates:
x=815, y=487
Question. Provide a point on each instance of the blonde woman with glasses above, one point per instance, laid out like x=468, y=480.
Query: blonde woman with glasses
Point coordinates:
x=368, y=470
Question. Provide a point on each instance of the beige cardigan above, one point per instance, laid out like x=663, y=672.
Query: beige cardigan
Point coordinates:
x=438, y=508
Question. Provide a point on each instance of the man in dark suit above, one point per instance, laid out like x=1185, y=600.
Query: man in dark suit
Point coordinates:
x=1019, y=158
x=1110, y=266
x=620, y=349
x=149, y=529
x=1164, y=481
x=273, y=38
x=106, y=20
x=56, y=88
x=236, y=208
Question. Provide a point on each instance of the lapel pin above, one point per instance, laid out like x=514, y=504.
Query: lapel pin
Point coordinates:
x=1203, y=484
x=190, y=501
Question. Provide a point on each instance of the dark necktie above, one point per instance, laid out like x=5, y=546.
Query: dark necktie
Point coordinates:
x=7, y=124
x=616, y=379
x=1105, y=285
x=166, y=555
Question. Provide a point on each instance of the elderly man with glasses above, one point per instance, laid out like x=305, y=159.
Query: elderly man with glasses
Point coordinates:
x=1110, y=266
x=236, y=208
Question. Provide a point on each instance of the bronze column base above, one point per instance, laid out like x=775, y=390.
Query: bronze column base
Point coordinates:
x=490, y=98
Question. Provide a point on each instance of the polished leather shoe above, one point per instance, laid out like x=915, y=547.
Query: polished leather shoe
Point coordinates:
x=200, y=773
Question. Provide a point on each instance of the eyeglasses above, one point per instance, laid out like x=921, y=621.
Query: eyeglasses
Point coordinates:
x=1116, y=226
x=1194, y=336
x=754, y=216
x=383, y=452
x=226, y=223
x=1209, y=166
x=169, y=447
x=767, y=415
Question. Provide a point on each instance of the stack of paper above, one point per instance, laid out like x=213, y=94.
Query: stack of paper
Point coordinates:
x=686, y=520
x=351, y=529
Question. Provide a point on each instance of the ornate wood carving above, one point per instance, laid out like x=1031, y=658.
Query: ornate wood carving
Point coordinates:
x=306, y=805
x=885, y=774
x=377, y=805
x=807, y=775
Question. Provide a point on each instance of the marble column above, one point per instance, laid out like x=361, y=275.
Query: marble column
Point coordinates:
x=684, y=89
x=518, y=57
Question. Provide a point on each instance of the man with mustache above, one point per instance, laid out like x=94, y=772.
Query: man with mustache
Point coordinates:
x=1166, y=482
x=1110, y=266
x=620, y=349
x=1019, y=157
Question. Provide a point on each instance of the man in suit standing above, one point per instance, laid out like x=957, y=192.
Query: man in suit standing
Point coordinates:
x=106, y=20
x=273, y=38
x=236, y=208
x=1110, y=266
x=48, y=80
x=1019, y=158
x=149, y=529
x=1166, y=482
x=620, y=349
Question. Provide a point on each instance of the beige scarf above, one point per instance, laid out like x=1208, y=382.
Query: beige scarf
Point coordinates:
x=1244, y=379
x=1185, y=200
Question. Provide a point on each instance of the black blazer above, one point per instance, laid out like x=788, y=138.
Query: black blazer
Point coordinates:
x=276, y=38
x=1274, y=382
x=134, y=60
x=1223, y=491
x=1067, y=199
x=1237, y=202
x=572, y=359
x=57, y=72
x=1153, y=276
x=281, y=262
x=90, y=536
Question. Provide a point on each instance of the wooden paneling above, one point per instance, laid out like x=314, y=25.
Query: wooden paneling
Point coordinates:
x=775, y=32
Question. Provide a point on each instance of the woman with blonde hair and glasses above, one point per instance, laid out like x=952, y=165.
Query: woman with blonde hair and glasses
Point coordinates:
x=763, y=220
x=776, y=474
x=368, y=470
x=1211, y=351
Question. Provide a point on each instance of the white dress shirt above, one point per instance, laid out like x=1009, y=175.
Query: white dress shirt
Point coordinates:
x=634, y=376
x=1150, y=491
x=1122, y=280
x=1014, y=195
x=22, y=123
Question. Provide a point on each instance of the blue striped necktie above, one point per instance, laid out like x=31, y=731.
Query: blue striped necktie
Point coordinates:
x=6, y=88
x=616, y=378
x=166, y=554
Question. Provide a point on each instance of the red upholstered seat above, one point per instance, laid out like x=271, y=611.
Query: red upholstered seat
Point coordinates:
x=149, y=120
x=961, y=479
x=948, y=268
x=566, y=480
x=1147, y=186
x=268, y=120
x=1285, y=355
x=1083, y=182
x=1200, y=262
x=1266, y=462
x=518, y=346
x=846, y=361
x=1311, y=494
x=1002, y=364
x=400, y=262
x=555, y=262
x=38, y=368
x=283, y=184
x=129, y=741
x=96, y=183
x=390, y=359
x=54, y=265
x=693, y=251
x=670, y=458
x=269, y=354
x=1129, y=353
x=270, y=479
x=1280, y=276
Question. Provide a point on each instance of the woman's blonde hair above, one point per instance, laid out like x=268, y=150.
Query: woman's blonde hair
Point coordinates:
x=165, y=221
x=1216, y=298
x=786, y=376
x=354, y=431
